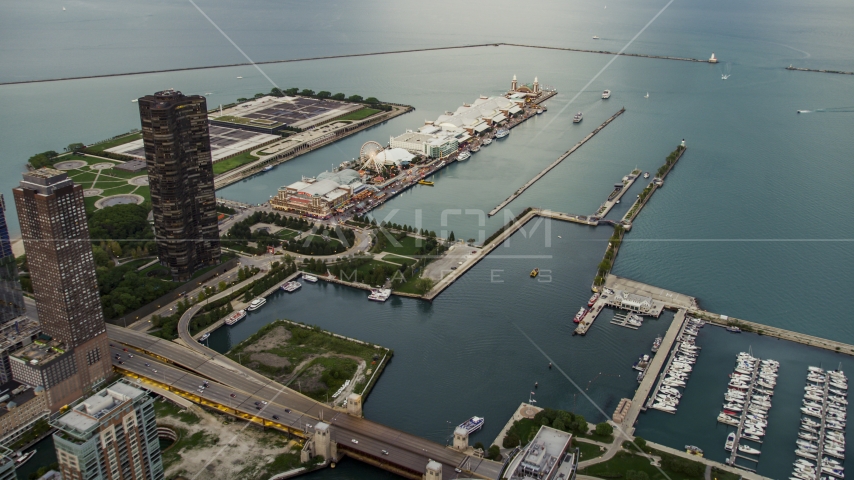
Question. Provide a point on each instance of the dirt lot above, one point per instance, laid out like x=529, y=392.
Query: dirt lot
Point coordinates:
x=270, y=359
x=223, y=451
x=274, y=338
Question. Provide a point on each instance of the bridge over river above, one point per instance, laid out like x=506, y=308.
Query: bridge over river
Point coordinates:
x=234, y=389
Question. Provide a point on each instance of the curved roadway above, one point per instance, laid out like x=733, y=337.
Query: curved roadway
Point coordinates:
x=227, y=378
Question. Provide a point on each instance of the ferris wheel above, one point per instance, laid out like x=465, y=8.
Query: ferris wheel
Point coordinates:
x=368, y=156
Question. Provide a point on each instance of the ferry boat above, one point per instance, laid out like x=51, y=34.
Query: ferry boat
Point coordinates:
x=204, y=337
x=502, y=132
x=463, y=156
x=309, y=278
x=24, y=458
x=291, y=287
x=592, y=299
x=535, y=272
x=472, y=425
x=578, y=316
x=379, y=294
x=267, y=168
x=475, y=149
x=645, y=174
x=425, y=182
x=606, y=94
x=256, y=304
x=733, y=329
x=577, y=118
x=235, y=317
x=595, y=37
x=487, y=141
x=656, y=344
x=694, y=450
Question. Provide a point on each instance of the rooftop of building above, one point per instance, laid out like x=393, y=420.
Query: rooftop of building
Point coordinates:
x=85, y=417
x=17, y=330
x=14, y=394
x=543, y=454
x=42, y=351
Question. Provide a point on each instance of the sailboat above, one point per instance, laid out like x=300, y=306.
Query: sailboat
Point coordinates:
x=647, y=95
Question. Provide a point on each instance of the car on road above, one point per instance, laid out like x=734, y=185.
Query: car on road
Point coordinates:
x=385, y=452
x=147, y=365
x=201, y=387
x=130, y=355
x=275, y=417
x=265, y=403
x=257, y=403
x=121, y=362
x=458, y=470
x=205, y=383
x=354, y=441
x=258, y=407
x=154, y=370
x=287, y=410
x=453, y=268
x=233, y=395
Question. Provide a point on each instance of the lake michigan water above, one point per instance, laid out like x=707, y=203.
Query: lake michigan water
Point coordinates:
x=756, y=220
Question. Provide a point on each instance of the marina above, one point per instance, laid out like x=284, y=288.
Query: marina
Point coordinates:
x=821, y=438
x=665, y=397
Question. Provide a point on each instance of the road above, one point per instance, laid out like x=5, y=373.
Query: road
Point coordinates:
x=190, y=368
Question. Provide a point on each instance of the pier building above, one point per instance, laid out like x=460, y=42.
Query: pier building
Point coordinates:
x=319, y=196
x=429, y=141
x=547, y=457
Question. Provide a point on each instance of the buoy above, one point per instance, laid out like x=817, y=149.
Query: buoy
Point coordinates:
x=536, y=384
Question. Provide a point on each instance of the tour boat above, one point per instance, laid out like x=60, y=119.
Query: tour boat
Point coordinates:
x=24, y=458
x=577, y=118
x=291, y=286
x=606, y=94
x=578, y=316
x=501, y=133
x=733, y=329
x=267, y=168
x=487, y=141
x=463, y=156
x=256, y=304
x=204, y=337
x=309, y=278
x=425, y=182
x=535, y=272
x=645, y=174
x=379, y=294
x=472, y=425
x=235, y=317
x=595, y=37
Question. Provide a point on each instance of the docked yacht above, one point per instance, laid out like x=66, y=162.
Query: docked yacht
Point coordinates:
x=487, y=141
x=291, y=286
x=463, y=156
x=502, y=132
x=309, y=278
x=204, y=337
x=730, y=441
x=235, y=317
x=379, y=294
x=256, y=304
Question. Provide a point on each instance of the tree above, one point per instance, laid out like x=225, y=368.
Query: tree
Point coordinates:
x=423, y=285
x=579, y=426
x=277, y=92
x=511, y=440
x=307, y=92
x=355, y=98
x=494, y=453
x=451, y=236
x=604, y=429
x=640, y=443
x=259, y=95
x=339, y=96
x=372, y=100
x=44, y=159
x=242, y=99
x=633, y=475
x=324, y=94
x=480, y=446
x=559, y=425
x=292, y=91
x=74, y=147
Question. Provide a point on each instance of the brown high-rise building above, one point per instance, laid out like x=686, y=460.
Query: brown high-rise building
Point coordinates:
x=180, y=175
x=75, y=356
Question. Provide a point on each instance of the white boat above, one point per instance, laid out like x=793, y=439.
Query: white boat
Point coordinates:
x=463, y=156
x=730, y=441
x=134, y=100
x=645, y=174
x=239, y=77
x=291, y=286
x=595, y=37
x=748, y=449
x=256, y=304
x=204, y=337
x=539, y=111
x=502, y=132
x=24, y=458
x=647, y=95
x=577, y=118
x=606, y=94
x=379, y=294
x=267, y=168
x=472, y=425
x=235, y=317
x=663, y=407
x=487, y=141
x=309, y=278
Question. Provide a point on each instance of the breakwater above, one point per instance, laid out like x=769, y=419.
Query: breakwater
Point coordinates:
x=799, y=69
x=368, y=54
x=552, y=165
x=656, y=183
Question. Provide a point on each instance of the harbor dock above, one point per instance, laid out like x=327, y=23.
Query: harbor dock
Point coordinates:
x=612, y=200
x=552, y=165
x=740, y=429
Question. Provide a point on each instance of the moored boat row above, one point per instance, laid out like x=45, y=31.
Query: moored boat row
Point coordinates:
x=676, y=374
x=820, y=445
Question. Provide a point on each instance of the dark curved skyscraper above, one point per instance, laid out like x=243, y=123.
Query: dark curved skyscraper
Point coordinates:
x=180, y=175
x=11, y=296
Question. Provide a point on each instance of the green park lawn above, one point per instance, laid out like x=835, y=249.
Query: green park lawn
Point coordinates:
x=228, y=164
x=398, y=259
x=589, y=450
x=114, y=143
x=406, y=247
x=359, y=114
x=624, y=461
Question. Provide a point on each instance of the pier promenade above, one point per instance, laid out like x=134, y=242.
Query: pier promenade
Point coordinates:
x=552, y=165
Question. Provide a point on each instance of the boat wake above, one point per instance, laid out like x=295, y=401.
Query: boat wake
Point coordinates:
x=829, y=110
x=726, y=70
